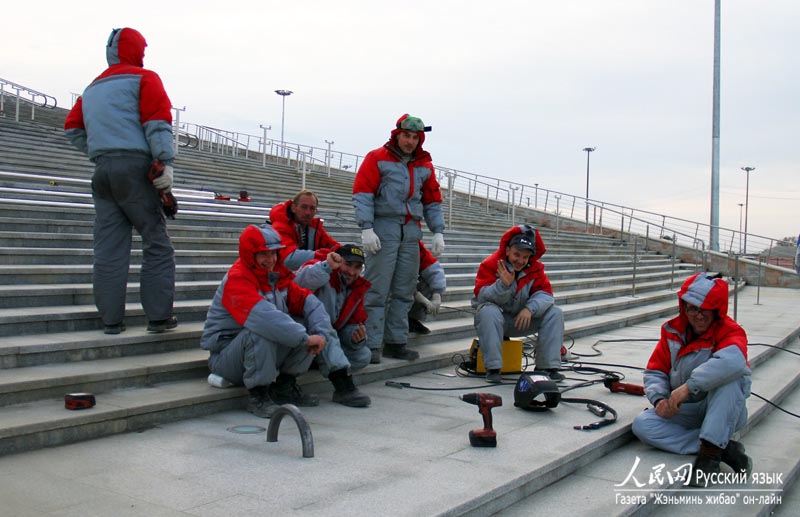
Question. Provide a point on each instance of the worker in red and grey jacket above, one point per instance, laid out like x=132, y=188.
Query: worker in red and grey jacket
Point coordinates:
x=263, y=330
x=301, y=231
x=698, y=379
x=338, y=283
x=394, y=189
x=123, y=121
x=431, y=285
x=513, y=297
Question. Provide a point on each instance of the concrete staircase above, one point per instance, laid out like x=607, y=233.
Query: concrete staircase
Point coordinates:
x=51, y=342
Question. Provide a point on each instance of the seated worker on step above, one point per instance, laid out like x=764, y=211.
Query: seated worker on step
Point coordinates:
x=431, y=285
x=301, y=230
x=263, y=330
x=698, y=379
x=513, y=297
x=338, y=284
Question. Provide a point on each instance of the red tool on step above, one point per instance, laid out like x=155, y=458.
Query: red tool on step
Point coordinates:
x=485, y=437
x=612, y=382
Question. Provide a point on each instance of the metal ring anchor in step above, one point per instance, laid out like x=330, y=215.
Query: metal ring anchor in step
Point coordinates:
x=302, y=426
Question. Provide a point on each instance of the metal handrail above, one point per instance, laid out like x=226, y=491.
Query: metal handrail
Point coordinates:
x=510, y=194
x=32, y=98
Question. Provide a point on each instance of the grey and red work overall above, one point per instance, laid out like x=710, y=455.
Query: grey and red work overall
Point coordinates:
x=123, y=121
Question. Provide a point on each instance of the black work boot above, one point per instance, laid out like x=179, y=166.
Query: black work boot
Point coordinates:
x=346, y=392
x=399, y=351
x=733, y=455
x=706, y=464
x=260, y=404
x=494, y=376
x=286, y=391
x=375, y=356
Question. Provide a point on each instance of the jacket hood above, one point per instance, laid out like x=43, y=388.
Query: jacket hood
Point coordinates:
x=705, y=291
x=125, y=46
x=532, y=234
x=255, y=239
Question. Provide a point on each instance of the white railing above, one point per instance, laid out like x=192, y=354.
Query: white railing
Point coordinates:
x=23, y=94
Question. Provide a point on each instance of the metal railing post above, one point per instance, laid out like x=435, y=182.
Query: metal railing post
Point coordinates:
x=450, y=182
x=635, y=264
x=558, y=214
x=758, y=289
x=177, y=127
x=328, y=157
x=513, y=192
x=264, y=144
x=672, y=273
x=735, y=285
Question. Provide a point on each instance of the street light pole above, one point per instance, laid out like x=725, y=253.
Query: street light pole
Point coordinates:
x=747, y=170
x=283, y=94
x=588, y=152
x=740, y=226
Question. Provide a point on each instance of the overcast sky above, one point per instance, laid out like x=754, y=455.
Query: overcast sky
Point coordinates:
x=513, y=89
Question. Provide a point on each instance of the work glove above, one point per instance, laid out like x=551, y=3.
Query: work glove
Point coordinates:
x=437, y=248
x=164, y=182
x=370, y=240
x=420, y=299
x=436, y=302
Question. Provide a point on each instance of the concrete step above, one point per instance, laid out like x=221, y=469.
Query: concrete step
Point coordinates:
x=596, y=486
x=50, y=295
x=22, y=275
x=22, y=319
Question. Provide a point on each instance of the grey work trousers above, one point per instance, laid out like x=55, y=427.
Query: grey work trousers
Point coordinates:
x=393, y=273
x=124, y=198
x=713, y=419
x=253, y=360
x=492, y=324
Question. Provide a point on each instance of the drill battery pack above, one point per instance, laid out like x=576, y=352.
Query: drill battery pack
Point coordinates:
x=511, y=352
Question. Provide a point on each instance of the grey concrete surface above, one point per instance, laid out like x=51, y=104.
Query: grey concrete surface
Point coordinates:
x=407, y=454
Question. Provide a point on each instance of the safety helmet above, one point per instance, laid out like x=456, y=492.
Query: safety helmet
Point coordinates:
x=536, y=392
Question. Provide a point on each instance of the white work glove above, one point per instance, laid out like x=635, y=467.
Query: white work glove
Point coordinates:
x=438, y=244
x=370, y=240
x=164, y=182
x=420, y=299
x=436, y=302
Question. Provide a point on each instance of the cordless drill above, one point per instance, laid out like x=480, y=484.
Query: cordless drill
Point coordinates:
x=485, y=437
x=612, y=382
x=168, y=202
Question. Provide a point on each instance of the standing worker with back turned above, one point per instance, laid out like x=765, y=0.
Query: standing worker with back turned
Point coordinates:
x=394, y=189
x=123, y=121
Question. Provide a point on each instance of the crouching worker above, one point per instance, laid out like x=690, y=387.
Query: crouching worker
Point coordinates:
x=513, y=297
x=698, y=379
x=338, y=284
x=431, y=285
x=252, y=328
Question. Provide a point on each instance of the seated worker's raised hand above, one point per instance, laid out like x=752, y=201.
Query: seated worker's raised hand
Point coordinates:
x=315, y=344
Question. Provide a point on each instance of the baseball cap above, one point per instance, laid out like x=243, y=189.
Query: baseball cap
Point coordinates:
x=410, y=123
x=351, y=253
x=522, y=242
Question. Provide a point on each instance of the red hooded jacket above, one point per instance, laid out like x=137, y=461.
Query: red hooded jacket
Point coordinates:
x=534, y=272
x=702, y=362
